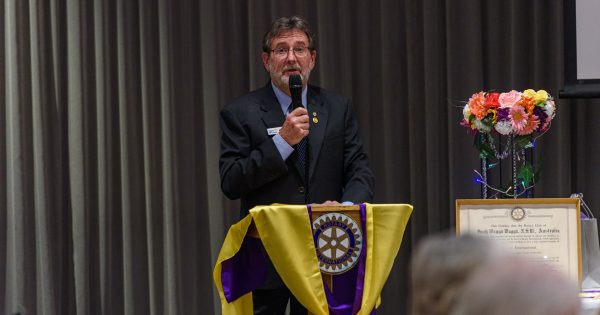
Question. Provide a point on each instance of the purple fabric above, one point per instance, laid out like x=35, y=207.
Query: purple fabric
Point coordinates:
x=348, y=287
x=361, y=264
x=345, y=289
x=582, y=216
x=244, y=272
x=247, y=271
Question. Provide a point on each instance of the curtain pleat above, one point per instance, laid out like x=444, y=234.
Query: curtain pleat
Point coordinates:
x=102, y=102
x=168, y=219
x=15, y=191
x=45, y=296
x=110, y=197
x=150, y=99
x=76, y=166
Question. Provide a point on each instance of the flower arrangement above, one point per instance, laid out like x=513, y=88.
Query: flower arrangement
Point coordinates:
x=511, y=113
x=521, y=116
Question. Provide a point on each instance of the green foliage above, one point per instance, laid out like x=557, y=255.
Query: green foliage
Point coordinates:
x=523, y=142
x=484, y=148
x=526, y=173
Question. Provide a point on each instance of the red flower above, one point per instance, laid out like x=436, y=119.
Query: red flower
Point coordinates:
x=491, y=100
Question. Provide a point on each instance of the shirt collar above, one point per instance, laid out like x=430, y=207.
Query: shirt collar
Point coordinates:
x=285, y=100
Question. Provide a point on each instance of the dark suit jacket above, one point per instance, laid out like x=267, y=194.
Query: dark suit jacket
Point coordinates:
x=252, y=169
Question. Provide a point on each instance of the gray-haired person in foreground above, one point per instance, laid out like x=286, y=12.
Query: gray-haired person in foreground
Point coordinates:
x=512, y=285
x=440, y=267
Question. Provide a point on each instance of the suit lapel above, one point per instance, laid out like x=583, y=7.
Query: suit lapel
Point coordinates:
x=273, y=116
x=317, y=116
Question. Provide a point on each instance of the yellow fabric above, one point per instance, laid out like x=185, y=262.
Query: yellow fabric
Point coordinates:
x=287, y=237
x=231, y=245
x=385, y=227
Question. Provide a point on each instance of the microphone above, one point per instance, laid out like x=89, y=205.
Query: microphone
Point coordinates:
x=295, y=83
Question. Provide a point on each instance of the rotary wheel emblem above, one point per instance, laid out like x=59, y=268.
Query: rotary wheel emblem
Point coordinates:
x=338, y=240
x=517, y=213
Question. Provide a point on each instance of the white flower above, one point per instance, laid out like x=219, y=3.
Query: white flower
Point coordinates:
x=482, y=127
x=466, y=112
x=504, y=127
x=549, y=108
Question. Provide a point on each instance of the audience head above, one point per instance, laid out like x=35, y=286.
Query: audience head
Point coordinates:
x=440, y=267
x=513, y=285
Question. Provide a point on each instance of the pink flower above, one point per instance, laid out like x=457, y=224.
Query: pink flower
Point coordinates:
x=532, y=124
x=471, y=129
x=546, y=124
x=519, y=117
x=550, y=110
x=509, y=99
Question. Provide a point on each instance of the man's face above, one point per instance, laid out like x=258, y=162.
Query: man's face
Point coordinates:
x=281, y=65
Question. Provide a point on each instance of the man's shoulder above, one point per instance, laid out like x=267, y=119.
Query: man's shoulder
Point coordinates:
x=326, y=95
x=253, y=98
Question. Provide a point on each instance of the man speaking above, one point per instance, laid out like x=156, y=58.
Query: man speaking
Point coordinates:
x=292, y=143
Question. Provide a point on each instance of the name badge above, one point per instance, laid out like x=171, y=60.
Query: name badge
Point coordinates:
x=273, y=131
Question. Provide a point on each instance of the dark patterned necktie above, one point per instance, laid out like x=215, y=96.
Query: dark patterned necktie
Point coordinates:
x=301, y=152
x=301, y=149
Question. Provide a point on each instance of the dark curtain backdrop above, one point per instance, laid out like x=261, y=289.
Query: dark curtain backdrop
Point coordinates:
x=109, y=188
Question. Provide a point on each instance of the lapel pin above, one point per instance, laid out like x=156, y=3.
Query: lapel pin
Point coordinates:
x=315, y=120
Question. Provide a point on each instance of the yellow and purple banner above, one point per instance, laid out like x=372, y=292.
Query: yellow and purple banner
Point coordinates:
x=286, y=234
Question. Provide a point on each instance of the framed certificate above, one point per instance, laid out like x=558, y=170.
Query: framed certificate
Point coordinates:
x=545, y=229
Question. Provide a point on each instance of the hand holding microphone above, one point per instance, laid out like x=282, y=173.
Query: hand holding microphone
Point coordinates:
x=295, y=127
x=296, y=124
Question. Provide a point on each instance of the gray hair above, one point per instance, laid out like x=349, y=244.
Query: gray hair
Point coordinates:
x=284, y=24
x=513, y=285
x=441, y=266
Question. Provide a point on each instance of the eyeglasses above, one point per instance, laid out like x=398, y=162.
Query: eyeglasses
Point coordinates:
x=282, y=52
